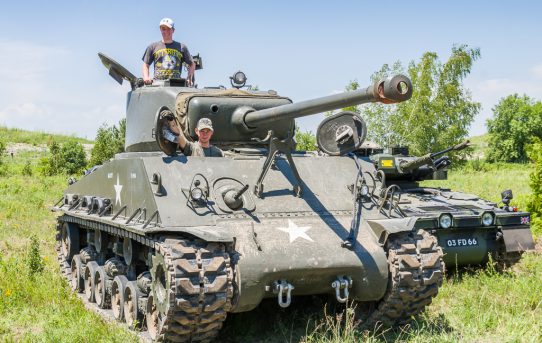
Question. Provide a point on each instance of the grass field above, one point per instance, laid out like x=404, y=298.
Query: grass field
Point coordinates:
x=472, y=305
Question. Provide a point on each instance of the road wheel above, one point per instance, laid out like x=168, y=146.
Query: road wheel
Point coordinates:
x=90, y=272
x=78, y=283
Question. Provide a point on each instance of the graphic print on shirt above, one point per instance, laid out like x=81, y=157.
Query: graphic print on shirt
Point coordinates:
x=168, y=63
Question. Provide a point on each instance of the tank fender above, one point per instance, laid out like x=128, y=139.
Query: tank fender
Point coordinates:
x=383, y=228
x=206, y=233
x=517, y=239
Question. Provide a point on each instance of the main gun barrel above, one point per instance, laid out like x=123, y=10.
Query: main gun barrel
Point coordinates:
x=391, y=90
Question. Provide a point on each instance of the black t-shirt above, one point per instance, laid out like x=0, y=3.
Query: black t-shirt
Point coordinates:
x=194, y=149
x=168, y=59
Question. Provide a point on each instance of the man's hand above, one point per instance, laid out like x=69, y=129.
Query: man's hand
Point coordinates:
x=145, y=69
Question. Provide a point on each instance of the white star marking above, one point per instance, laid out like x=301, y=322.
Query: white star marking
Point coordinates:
x=295, y=231
x=118, y=188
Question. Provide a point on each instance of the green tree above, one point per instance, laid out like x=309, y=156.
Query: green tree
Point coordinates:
x=306, y=141
x=534, y=205
x=109, y=141
x=516, y=121
x=440, y=111
x=380, y=118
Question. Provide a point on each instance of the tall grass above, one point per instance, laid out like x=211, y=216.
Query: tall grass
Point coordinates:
x=37, y=305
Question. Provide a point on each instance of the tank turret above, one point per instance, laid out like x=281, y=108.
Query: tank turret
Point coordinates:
x=243, y=118
x=413, y=168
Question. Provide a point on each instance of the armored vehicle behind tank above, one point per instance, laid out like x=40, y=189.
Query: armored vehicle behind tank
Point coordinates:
x=469, y=229
x=172, y=244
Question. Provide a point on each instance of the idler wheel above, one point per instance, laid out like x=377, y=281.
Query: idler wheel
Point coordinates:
x=154, y=320
x=132, y=314
x=100, y=288
x=90, y=272
x=78, y=283
x=159, y=297
x=69, y=234
x=160, y=287
x=117, y=296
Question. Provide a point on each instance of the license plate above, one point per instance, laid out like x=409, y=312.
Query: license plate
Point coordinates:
x=461, y=242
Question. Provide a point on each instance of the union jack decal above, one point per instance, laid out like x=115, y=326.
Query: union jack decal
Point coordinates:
x=525, y=220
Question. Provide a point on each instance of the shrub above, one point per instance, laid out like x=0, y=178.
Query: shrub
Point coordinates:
x=27, y=169
x=306, y=141
x=68, y=158
x=109, y=141
x=534, y=204
x=3, y=167
x=34, y=260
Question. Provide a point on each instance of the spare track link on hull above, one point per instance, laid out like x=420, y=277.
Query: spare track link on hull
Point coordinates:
x=200, y=293
x=416, y=273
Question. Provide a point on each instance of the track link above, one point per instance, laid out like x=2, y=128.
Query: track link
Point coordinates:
x=416, y=272
x=195, y=292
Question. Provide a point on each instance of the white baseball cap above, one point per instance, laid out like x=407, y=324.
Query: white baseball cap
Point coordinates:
x=167, y=22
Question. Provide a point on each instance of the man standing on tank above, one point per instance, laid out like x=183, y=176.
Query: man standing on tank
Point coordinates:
x=168, y=56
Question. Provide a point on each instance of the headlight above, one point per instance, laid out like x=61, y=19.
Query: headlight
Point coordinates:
x=445, y=221
x=196, y=194
x=487, y=218
x=364, y=190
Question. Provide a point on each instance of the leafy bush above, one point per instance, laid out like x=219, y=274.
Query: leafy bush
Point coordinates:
x=534, y=204
x=73, y=158
x=34, y=260
x=306, y=141
x=109, y=141
x=68, y=158
x=27, y=169
x=517, y=120
x=3, y=167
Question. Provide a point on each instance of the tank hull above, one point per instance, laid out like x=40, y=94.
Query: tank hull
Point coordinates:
x=134, y=213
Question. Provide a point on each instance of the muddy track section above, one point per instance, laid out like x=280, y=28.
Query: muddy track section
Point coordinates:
x=416, y=273
x=193, y=292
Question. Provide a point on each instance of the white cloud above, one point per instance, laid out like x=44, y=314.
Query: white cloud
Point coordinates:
x=537, y=70
x=26, y=61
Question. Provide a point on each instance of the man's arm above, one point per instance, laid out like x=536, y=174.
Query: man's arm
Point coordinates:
x=146, y=77
x=180, y=136
x=191, y=71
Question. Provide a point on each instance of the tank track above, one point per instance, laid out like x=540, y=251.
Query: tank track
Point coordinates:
x=201, y=286
x=416, y=272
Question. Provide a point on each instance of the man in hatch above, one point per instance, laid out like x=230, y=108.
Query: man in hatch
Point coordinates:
x=203, y=147
x=168, y=57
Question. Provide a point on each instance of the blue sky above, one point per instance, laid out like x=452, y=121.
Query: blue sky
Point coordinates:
x=52, y=79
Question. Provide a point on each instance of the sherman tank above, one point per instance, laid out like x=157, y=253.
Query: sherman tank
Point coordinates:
x=171, y=244
x=470, y=230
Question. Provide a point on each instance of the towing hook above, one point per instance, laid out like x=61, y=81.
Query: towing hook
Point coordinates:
x=343, y=283
x=283, y=289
